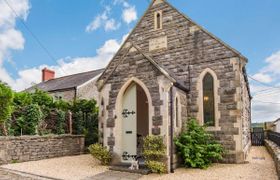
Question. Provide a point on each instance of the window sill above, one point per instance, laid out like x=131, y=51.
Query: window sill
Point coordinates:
x=213, y=128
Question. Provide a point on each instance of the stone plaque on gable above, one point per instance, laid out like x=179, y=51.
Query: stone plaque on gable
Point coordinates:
x=158, y=43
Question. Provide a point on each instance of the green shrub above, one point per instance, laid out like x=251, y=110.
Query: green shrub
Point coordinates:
x=91, y=129
x=29, y=120
x=85, y=120
x=22, y=99
x=42, y=98
x=78, y=122
x=156, y=167
x=197, y=147
x=60, y=122
x=25, y=113
x=100, y=153
x=154, y=154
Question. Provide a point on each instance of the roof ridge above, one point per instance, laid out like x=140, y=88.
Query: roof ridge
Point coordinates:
x=74, y=74
x=66, y=82
x=126, y=40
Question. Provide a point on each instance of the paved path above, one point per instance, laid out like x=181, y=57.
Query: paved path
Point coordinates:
x=4, y=175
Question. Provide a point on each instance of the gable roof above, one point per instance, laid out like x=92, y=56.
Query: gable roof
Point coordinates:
x=207, y=32
x=276, y=121
x=153, y=2
x=66, y=82
x=159, y=67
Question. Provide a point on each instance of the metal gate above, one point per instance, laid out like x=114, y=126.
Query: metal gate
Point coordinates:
x=257, y=137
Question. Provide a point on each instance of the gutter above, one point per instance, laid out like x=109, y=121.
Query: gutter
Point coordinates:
x=180, y=86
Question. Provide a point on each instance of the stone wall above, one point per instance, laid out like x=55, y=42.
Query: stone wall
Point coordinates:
x=188, y=52
x=67, y=95
x=134, y=65
x=245, y=115
x=274, y=151
x=31, y=148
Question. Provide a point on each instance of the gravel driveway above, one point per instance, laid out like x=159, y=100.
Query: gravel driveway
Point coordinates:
x=260, y=167
x=70, y=168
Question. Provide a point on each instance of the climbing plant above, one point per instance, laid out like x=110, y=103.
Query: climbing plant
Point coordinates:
x=85, y=120
x=6, y=106
x=24, y=113
x=60, y=122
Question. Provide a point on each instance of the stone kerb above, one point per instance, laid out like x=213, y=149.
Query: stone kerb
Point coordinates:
x=274, y=151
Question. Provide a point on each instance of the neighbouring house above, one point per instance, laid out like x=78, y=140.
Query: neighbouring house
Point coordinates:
x=269, y=126
x=276, y=125
x=168, y=70
x=76, y=86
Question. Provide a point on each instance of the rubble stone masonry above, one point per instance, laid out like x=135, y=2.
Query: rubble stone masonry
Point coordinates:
x=31, y=148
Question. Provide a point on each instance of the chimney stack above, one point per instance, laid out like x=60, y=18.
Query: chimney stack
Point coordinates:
x=47, y=74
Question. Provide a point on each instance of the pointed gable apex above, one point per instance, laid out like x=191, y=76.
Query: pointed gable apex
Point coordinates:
x=157, y=2
x=125, y=46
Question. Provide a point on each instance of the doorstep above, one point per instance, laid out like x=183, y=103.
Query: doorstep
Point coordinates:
x=125, y=168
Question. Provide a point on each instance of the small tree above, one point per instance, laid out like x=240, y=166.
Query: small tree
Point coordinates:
x=6, y=102
x=196, y=147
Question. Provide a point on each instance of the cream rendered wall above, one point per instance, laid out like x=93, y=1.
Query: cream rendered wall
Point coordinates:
x=277, y=126
x=88, y=90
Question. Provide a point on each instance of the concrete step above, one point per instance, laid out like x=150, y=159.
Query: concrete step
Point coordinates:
x=125, y=168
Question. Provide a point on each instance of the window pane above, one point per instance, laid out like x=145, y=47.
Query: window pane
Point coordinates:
x=158, y=21
x=208, y=100
x=177, y=113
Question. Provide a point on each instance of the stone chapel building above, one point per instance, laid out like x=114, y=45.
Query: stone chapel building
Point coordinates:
x=168, y=70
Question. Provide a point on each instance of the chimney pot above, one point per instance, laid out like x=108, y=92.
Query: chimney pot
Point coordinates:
x=47, y=74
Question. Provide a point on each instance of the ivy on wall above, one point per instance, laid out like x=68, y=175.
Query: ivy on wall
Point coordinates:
x=25, y=113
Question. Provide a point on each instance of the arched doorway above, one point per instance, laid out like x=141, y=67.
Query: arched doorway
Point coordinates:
x=135, y=120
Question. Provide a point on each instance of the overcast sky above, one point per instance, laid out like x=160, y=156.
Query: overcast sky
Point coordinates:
x=78, y=36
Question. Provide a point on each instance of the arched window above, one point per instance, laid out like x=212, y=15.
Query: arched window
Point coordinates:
x=208, y=100
x=103, y=107
x=158, y=20
x=177, y=112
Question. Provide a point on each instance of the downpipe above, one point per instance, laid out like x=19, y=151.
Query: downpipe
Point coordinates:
x=171, y=130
